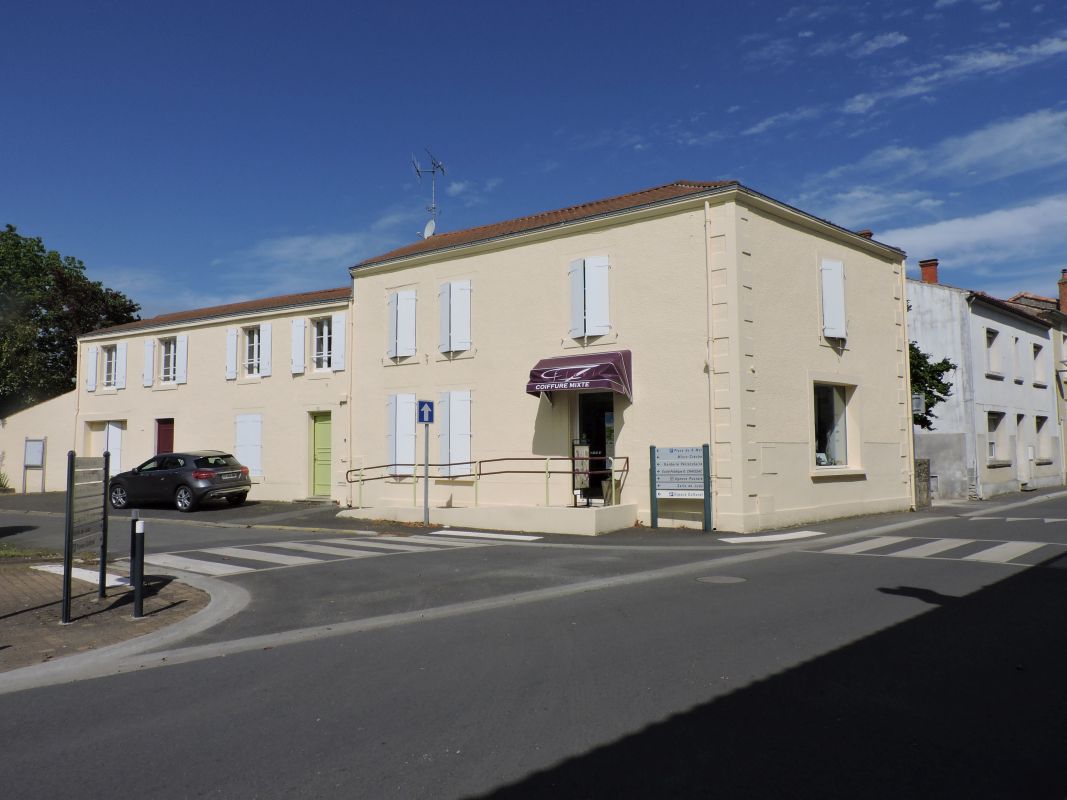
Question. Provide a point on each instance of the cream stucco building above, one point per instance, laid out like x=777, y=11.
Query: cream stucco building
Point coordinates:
x=775, y=337
x=679, y=316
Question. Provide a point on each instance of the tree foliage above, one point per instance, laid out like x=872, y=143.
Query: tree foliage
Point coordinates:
x=928, y=379
x=46, y=302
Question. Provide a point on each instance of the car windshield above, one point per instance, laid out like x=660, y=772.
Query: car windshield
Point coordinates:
x=217, y=461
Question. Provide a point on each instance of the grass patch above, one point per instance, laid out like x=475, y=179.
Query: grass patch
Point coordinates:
x=7, y=552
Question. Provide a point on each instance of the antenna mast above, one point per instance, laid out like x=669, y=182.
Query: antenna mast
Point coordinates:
x=435, y=167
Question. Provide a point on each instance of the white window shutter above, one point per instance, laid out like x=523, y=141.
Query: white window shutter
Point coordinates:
x=405, y=433
x=577, y=278
x=120, y=365
x=459, y=432
x=390, y=431
x=297, y=360
x=149, y=361
x=461, y=315
x=91, y=367
x=444, y=305
x=183, y=358
x=264, y=349
x=441, y=415
x=248, y=442
x=394, y=302
x=597, y=302
x=833, y=298
x=337, y=331
x=232, y=338
x=405, y=324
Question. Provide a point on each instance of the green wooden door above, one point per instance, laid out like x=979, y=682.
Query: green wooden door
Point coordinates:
x=320, y=455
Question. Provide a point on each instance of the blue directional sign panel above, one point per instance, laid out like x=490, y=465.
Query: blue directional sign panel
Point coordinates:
x=425, y=412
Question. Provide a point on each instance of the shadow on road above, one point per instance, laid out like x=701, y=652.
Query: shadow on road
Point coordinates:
x=14, y=530
x=967, y=700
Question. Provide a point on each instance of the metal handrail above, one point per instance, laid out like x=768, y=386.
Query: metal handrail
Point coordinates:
x=358, y=475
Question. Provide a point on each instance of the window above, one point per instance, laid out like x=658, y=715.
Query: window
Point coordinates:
x=1044, y=440
x=401, y=312
x=994, y=420
x=251, y=349
x=110, y=357
x=322, y=345
x=168, y=360
x=590, y=313
x=249, y=346
x=831, y=440
x=455, y=311
x=1017, y=360
x=834, y=319
x=992, y=352
x=1040, y=374
x=454, y=432
x=400, y=434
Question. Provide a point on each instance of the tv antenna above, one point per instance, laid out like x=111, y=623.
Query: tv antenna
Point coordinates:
x=435, y=167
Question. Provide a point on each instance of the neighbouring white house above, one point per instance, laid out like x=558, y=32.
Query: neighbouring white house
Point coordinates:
x=686, y=314
x=689, y=314
x=265, y=379
x=999, y=430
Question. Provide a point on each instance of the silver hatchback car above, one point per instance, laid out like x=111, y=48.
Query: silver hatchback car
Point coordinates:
x=184, y=479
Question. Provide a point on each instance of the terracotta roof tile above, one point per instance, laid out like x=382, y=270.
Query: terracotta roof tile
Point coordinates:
x=1007, y=305
x=232, y=309
x=548, y=219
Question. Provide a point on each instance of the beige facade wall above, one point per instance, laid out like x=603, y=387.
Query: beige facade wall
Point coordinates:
x=205, y=408
x=720, y=307
x=53, y=421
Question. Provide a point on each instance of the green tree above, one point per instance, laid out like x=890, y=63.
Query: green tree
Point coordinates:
x=46, y=303
x=928, y=379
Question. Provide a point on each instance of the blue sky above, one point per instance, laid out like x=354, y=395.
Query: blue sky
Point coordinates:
x=200, y=153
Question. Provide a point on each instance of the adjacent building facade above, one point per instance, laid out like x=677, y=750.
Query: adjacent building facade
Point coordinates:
x=999, y=430
x=684, y=315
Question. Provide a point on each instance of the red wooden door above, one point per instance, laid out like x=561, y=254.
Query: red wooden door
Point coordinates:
x=164, y=435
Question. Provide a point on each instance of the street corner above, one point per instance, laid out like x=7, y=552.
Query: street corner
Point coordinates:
x=31, y=595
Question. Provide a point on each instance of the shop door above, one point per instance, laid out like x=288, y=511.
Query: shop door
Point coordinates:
x=321, y=457
x=164, y=436
x=596, y=428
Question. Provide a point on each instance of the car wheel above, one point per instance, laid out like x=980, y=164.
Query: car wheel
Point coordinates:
x=237, y=499
x=184, y=500
x=119, y=497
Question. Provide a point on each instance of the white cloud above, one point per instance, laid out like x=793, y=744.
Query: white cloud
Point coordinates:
x=1004, y=236
x=472, y=193
x=803, y=113
x=1035, y=141
x=862, y=206
x=958, y=67
x=456, y=188
x=882, y=42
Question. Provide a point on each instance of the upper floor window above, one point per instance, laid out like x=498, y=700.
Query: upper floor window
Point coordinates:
x=327, y=335
x=401, y=312
x=590, y=309
x=248, y=351
x=252, y=350
x=322, y=350
x=1040, y=373
x=106, y=364
x=832, y=279
x=992, y=352
x=110, y=361
x=168, y=360
x=455, y=316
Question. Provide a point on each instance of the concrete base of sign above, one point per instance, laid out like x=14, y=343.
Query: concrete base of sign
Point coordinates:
x=535, y=519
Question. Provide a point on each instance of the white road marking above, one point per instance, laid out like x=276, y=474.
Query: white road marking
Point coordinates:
x=82, y=574
x=772, y=537
x=259, y=555
x=443, y=544
x=931, y=548
x=1020, y=519
x=344, y=552
x=510, y=537
x=1005, y=552
x=977, y=519
x=1054, y=519
x=870, y=544
x=376, y=545
x=194, y=565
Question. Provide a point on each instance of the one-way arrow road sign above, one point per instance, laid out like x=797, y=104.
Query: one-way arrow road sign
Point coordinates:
x=426, y=412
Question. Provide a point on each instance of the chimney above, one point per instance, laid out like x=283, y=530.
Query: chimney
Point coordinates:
x=866, y=233
x=1063, y=291
x=929, y=270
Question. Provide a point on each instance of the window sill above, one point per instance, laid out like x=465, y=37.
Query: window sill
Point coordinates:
x=838, y=472
x=1040, y=385
x=997, y=464
x=995, y=376
x=1020, y=381
x=1044, y=462
x=319, y=375
x=247, y=379
x=164, y=387
x=107, y=390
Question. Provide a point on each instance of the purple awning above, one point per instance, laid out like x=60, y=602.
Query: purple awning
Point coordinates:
x=609, y=370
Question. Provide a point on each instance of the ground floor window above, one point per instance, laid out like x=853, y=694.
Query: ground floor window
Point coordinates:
x=831, y=440
x=994, y=423
x=1044, y=439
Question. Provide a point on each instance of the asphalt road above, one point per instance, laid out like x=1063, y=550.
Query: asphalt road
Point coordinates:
x=923, y=658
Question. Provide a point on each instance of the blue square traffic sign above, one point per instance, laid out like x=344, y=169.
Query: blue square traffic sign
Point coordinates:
x=425, y=412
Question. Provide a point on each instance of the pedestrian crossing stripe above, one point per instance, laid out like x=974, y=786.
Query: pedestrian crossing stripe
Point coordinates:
x=265, y=553
x=998, y=553
x=1046, y=520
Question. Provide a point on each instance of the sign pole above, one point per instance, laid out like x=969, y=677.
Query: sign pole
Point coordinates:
x=707, y=487
x=652, y=484
x=426, y=474
x=68, y=539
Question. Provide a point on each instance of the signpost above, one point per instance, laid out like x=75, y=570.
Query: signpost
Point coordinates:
x=680, y=473
x=425, y=414
x=86, y=523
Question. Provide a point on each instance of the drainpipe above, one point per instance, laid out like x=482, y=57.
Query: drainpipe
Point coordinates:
x=708, y=344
